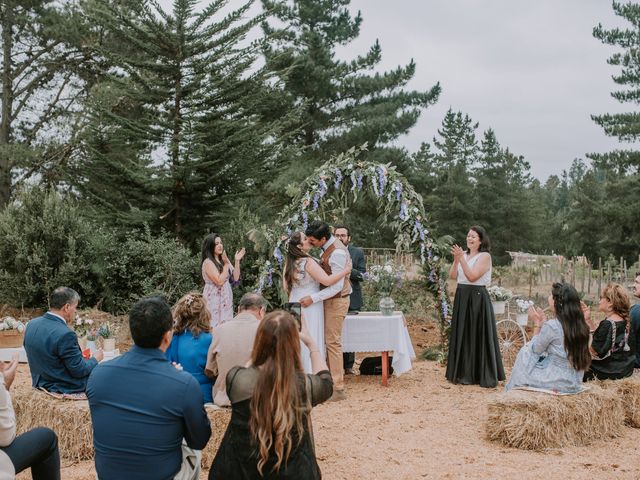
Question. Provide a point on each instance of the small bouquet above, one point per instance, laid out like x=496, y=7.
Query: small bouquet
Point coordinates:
x=499, y=294
x=106, y=331
x=10, y=323
x=83, y=326
x=386, y=277
x=523, y=305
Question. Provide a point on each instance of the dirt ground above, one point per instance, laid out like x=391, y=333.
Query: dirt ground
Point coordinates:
x=423, y=427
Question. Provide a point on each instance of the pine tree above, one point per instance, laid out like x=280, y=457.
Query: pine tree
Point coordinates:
x=40, y=89
x=501, y=197
x=340, y=104
x=447, y=185
x=184, y=96
x=624, y=126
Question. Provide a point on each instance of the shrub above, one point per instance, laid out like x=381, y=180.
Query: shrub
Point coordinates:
x=44, y=243
x=138, y=264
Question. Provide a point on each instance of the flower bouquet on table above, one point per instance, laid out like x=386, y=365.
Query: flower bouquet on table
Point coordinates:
x=522, y=307
x=386, y=279
x=11, y=332
x=499, y=298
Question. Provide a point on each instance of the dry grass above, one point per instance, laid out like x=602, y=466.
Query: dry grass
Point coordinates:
x=629, y=391
x=537, y=421
x=71, y=421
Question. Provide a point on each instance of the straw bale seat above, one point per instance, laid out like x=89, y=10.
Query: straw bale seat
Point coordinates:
x=71, y=421
x=537, y=421
x=629, y=391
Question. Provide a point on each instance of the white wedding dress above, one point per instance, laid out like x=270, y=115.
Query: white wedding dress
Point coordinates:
x=313, y=315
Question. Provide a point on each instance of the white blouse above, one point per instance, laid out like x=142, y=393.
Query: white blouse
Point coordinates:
x=484, y=280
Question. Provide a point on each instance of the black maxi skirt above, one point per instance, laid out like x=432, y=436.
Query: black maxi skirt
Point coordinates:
x=474, y=352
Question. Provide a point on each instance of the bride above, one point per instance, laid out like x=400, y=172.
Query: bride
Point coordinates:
x=302, y=277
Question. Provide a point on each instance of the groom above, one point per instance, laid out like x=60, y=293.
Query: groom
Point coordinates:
x=335, y=257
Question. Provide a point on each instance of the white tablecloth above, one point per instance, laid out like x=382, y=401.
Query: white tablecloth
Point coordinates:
x=7, y=353
x=373, y=332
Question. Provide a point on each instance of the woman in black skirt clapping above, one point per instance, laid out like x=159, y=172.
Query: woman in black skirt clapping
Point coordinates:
x=474, y=353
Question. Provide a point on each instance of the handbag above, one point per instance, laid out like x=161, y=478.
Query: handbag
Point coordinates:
x=373, y=366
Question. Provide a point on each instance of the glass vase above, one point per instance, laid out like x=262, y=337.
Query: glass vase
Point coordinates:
x=387, y=305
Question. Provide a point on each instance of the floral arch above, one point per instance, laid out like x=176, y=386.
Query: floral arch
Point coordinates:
x=347, y=177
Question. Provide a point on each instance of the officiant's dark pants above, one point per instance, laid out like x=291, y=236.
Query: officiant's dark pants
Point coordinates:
x=38, y=449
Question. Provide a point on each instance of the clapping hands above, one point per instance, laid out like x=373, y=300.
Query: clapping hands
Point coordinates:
x=240, y=254
x=9, y=370
x=457, y=252
x=536, y=315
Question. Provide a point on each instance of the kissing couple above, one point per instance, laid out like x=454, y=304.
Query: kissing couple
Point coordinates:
x=323, y=290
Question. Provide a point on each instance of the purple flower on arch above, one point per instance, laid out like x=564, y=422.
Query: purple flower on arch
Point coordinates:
x=305, y=219
x=278, y=255
x=404, y=214
x=338, y=179
x=382, y=180
x=398, y=188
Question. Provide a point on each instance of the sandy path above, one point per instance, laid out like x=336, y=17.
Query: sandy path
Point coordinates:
x=423, y=427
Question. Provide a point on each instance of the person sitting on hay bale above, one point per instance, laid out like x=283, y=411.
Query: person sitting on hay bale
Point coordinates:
x=557, y=356
x=37, y=448
x=55, y=359
x=233, y=343
x=634, y=315
x=148, y=417
x=192, y=339
x=612, y=357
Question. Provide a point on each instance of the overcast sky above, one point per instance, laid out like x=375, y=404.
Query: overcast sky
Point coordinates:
x=531, y=70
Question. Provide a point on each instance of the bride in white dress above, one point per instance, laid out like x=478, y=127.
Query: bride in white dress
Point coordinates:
x=302, y=277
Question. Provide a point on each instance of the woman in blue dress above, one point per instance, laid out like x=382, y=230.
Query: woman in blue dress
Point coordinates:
x=191, y=339
x=557, y=356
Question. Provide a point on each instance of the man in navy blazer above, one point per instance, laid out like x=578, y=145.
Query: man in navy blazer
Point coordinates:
x=53, y=353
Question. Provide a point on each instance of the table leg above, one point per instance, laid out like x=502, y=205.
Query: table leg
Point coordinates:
x=385, y=368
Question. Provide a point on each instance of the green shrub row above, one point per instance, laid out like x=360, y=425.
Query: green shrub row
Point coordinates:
x=45, y=242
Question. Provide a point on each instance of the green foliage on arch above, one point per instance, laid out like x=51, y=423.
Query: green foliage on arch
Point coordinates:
x=348, y=177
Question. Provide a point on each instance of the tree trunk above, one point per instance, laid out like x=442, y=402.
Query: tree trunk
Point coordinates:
x=7, y=104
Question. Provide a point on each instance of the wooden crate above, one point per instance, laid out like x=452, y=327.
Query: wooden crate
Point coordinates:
x=11, y=339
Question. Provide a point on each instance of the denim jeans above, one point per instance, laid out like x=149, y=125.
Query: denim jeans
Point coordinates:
x=38, y=449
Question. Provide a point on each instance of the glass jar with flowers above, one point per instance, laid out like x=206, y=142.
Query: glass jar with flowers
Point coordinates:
x=386, y=278
x=82, y=326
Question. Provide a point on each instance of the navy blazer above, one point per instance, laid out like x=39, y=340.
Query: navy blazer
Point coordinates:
x=54, y=356
x=358, y=268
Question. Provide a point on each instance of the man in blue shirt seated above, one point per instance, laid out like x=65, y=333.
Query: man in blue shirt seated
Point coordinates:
x=55, y=359
x=634, y=313
x=142, y=407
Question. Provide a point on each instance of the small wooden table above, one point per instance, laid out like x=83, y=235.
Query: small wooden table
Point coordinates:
x=374, y=332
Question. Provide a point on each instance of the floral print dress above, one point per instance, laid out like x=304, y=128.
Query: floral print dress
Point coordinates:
x=219, y=299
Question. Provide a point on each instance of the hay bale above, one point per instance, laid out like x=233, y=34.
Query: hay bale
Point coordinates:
x=70, y=419
x=629, y=391
x=219, y=420
x=537, y=421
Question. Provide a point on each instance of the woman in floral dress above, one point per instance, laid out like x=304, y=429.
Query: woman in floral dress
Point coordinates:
x=219, y=276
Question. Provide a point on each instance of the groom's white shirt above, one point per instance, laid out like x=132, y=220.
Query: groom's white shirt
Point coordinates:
x=338, y=262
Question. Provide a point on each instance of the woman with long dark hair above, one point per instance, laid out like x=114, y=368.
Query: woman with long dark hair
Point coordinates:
x=474, y=353
x=219, y=275
x=269, y=435
x=612, y=356
x=303, y=276
x=558, y=355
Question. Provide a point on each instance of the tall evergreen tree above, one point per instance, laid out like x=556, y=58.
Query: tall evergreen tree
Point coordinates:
x=342, y=103
x=40, y=87
x=624, y=126
x=185, y=96
x=447, y=185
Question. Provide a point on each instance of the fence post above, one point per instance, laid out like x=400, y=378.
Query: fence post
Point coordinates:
x=608, y=272
x=589, y=278
x=599, y=276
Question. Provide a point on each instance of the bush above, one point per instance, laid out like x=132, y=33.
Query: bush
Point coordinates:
x=44, y=243
x=139, y=264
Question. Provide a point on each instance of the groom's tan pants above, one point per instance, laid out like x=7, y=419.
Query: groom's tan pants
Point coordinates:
x=335, y=310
